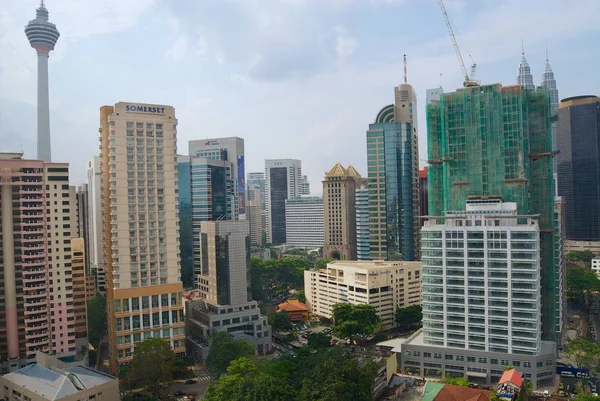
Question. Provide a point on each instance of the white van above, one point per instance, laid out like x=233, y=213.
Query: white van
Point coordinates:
x=566, y=373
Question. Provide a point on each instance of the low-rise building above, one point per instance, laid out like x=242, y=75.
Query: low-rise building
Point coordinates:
x=297, y=310
x=596, y=266
x=386, y=286
x=51, y=379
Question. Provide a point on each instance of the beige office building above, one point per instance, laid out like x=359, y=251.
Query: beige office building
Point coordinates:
x=339, y=208
x=385, y=285
x=138, y=145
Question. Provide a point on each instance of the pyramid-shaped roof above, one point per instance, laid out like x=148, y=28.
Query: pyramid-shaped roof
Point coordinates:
x=337, y=171
x=511, y=376
x=351, y=171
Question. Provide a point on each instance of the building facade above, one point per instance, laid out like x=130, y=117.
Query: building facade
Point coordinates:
x=339, y=202
x=392, y=162
x=94, y=233
x=282, y=182
x=253, y=180
x=184, y=187
x=231, y=150
x=42, y=36
x=578, y=161
x=472, y=157
x=386, y=286
x=138, y=145
x=561, y=268
x=38, y=223
x=362, y=220
x=304, y=222
x=423, y=193
x=255, y=215
x=596, y=266
x=304, y=186
x=482, y=296
x=224, y=286
x=549, y=83
x=524, y=77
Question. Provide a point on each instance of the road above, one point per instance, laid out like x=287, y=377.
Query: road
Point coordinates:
x=197, y=388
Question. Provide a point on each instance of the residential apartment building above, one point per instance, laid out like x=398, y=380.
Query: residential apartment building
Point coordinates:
x=362, y=221
x=255, y=215
x=231, y=150
x=38, y=222
x=82, y=283
x=138, y=145
x=304, y=222
x=282, y=181
x=561, y=268
x=596, y=266
x=94, y=233
x=482, y=293
x=386, y=286
x=339, y=203
x=224, y=286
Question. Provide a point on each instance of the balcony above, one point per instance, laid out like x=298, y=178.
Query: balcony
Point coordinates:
x=35, y=295
x=36, y=306
x=35, y=318
x=36, y=334
x=37, y=327
x=32, y=280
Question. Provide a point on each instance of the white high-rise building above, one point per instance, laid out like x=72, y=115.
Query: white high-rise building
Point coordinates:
x=138, y=145
x=304, y=222
x=42, y=36
x=524, y=77
x=481, y=296
x=232, y=150
x=94, y=233
x=282, y=181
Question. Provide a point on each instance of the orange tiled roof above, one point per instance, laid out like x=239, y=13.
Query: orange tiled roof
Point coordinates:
x=511, y=376
x=451, y=392
x=292, y=305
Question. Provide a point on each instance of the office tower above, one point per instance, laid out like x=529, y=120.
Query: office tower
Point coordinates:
x=282, y=181
x=304, y=186
x=482, y=295
x=42, y=36
x=83, y=290
x=549, y=83
x=304, y=222
x=38, y=222
x=83, y=223
x=471, y=156
x=393, y=168
x=524, y=77
x=255, y=214
x=561, y=268
x=224, y=285
x=257, y=179
x=362, y=220
x=578, y=161
x=386, y=286
x=184, y=190
x=423, y=193
x=433, y=95
x=140, y=227
x=339, y=203
x=231, y=150
x=94, y=234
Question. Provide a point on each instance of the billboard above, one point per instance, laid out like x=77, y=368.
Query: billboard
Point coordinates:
x=241, y=184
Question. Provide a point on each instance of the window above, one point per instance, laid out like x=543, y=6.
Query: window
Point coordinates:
x=165, y=317
x=136, y=322
x=471, y=359
x=156, y=319
x=164, y=299
x=174, y=298
x=135, y=303
x=126, y=304
x=145, y=302
x=146, y=320
x=117, y=305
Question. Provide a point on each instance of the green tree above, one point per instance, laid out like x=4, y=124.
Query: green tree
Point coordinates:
x=322, y=263
x=409, y=316
x=299, y=295
x=583, y=351
x=96, y=314
x=354, y=319
x=584, y=256
x=152, y=363
x=508, y=367
x=280, y=321
x=318, y=340
x=580, y=282
x=457, y=381
x=223, y=350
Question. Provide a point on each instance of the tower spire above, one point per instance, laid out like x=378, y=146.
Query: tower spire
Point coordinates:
x=405, y=69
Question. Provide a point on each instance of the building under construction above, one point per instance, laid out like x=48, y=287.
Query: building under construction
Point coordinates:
x=495, y=142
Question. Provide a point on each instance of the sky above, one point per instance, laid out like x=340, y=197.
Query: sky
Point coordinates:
x=298, y=79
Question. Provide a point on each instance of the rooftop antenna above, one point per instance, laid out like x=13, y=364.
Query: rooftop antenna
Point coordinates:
x=405, y=72
x=441, y=82
x=546, y=53
x=522, y=48
x=42, y=3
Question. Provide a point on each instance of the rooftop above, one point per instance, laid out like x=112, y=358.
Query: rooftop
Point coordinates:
x=292, y=305
x=511, y=376
x=56, y=384
x=371, y=265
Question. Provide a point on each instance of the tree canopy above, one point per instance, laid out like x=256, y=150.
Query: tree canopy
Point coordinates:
x=583, y=256
x=152, y=363
x=350, y=320
x=318, y=340
x=581, y=281
x=331, y=374
x=280, y=321
x=409, y=316
x=223, y=350
x=96, y=315
x=584, y=352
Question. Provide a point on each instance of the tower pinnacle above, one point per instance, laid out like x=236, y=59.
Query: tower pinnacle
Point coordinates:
x=524, y=77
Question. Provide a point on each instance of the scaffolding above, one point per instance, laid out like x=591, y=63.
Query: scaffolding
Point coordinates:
x=496, y=142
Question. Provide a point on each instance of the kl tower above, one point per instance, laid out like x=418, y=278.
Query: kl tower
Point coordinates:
x=42, y=36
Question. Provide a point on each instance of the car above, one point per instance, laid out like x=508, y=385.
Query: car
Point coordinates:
x=178, y=393
x=191, y=381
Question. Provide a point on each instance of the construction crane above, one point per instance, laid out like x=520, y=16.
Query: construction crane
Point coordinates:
x=469, y=81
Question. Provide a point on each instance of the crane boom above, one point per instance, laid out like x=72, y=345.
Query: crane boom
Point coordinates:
x=468, y=81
